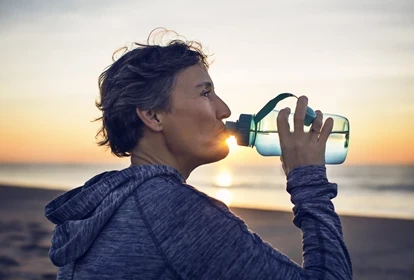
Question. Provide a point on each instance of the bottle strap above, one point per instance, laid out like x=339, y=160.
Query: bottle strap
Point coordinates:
x=270, y=106
x=266, y=110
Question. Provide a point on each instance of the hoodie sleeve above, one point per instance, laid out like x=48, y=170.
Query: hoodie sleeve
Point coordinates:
x=200, y=238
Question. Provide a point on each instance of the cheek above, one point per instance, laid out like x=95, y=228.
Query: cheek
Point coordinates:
x=199, y=122
x=182, y=134
x=205, y=121
x=192, y=126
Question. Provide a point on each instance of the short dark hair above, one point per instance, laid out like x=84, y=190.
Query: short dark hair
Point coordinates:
x=141, y=78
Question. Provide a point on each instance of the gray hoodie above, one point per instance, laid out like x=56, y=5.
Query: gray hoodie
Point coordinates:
x=144, y=222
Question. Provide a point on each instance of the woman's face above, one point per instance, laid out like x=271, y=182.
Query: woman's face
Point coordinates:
x=194, y=129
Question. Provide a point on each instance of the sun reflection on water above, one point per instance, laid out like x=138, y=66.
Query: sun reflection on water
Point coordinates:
x=224, y=179
x=225, y=196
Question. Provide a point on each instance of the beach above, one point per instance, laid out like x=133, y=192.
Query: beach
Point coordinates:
x=380, y=248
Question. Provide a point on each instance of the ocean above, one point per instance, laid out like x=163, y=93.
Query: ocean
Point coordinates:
x=375, y=191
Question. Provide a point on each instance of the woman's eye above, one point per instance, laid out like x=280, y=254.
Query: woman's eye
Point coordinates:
x=206, y=94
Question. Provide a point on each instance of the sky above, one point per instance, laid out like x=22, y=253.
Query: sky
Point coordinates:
x=352, y=58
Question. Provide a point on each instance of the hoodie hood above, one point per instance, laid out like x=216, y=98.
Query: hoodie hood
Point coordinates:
x=81, y=213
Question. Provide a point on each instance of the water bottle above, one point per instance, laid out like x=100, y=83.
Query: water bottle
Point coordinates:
x=261, y=131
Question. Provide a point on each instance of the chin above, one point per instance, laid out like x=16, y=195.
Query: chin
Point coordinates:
x=217, y=154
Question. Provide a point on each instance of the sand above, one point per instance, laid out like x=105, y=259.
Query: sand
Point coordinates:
x=380, y=248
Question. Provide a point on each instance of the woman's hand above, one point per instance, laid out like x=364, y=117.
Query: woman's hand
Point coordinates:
x=301, y=148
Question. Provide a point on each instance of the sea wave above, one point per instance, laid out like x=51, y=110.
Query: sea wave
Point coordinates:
x=393, y=188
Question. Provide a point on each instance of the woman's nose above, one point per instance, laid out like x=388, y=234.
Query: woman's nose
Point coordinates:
x=223, y=111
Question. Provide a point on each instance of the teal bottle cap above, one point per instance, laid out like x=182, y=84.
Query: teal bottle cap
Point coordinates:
x=241, y=129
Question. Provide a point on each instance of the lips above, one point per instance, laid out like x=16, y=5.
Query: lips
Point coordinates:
x=224, y=134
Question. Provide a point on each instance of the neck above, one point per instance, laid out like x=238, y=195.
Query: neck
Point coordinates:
x=153, y=151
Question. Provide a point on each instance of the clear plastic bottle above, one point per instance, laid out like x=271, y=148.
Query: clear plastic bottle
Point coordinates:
x=264, y=135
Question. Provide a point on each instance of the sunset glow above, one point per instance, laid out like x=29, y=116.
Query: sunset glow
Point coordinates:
x=232, y=143
x=225, y=196
x=224, y=179
x=53, y=54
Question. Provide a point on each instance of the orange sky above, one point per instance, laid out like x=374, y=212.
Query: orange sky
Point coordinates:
x=350, y=59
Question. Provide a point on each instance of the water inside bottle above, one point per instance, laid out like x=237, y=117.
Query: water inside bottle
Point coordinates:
x=267, y=144
x=337, y=147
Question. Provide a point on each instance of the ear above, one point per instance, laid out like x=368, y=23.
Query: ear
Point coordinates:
x=150, y=119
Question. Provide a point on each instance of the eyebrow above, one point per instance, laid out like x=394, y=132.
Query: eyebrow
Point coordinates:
x=205, y=84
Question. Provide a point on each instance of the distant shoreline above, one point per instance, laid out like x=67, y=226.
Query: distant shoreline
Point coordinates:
x=57, y=192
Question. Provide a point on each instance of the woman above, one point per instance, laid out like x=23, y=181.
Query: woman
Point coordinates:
x=159, y=107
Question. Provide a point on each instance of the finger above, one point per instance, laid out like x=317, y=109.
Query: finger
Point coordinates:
x=284, y=168
x=283, y=164
x=316, y=125
x=326, y=130
x=300, y=112
x=283, y=126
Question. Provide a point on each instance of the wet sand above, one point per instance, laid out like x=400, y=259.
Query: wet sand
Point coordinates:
x=380, y=248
